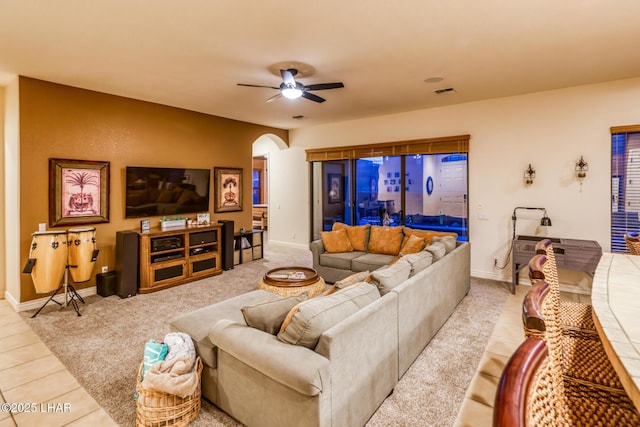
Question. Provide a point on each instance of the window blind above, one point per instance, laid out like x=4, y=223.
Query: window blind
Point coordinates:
x=625, y=184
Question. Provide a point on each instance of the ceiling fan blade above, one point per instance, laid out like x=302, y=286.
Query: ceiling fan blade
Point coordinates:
x=324, y=86
x=312, y=97
x=287, y=77
x=275, y=97
x=247, y=85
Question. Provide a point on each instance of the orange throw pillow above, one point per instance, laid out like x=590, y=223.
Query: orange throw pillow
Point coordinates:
x=412, y=244
x=385, y=241
x=336, y=241
x=357, y=234
x=427, y=234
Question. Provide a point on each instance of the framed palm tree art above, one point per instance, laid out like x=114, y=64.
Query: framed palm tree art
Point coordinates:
x=78, y=192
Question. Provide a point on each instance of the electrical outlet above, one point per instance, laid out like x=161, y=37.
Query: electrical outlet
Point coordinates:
x=105, y=269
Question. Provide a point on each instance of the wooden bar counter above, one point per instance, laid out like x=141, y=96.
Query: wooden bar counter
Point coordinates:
x=615, y=299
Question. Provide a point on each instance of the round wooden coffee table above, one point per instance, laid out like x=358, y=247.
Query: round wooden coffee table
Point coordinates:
x=291, y=281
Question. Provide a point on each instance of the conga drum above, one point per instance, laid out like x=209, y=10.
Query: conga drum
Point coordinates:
x=49, y=249
x=82, y=244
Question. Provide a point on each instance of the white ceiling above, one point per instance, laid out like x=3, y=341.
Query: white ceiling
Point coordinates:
x=191, y=53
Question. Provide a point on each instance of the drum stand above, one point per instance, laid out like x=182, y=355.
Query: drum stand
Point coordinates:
x=68, y=289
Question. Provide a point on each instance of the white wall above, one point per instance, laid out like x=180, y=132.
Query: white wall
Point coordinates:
x=550, y=130
x=11, y=201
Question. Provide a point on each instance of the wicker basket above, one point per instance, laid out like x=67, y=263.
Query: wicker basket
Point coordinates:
x=158, y=409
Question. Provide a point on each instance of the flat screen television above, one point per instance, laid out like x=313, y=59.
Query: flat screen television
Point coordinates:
x=152, y=191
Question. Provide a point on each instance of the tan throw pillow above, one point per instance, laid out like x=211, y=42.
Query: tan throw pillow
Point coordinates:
x=385, y=241
x=437, y=249
x=353, y=279
x=313, y=317
x=358, y=234
x=268, y=316
x=412, y=244
x=388, y=278
x=336, y=241
x=449, y=242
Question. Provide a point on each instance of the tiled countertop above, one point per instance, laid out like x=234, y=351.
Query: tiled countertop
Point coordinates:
x=615, y=299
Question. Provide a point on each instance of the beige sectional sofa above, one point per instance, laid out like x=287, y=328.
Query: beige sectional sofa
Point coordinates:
x=343, y=376
x=376, y=247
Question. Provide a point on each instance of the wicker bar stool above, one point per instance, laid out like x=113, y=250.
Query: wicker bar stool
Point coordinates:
x=633, y=242
x=526, y=396
x=583, y=355
x=574, y=316
x=576, y=402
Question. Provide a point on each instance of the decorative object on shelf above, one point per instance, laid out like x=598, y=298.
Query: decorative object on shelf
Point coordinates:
x=581, y=168
x=171, y=223
x=145, y=225
x=228, y=190
x=529, y=175
x=203, y=218
x=545, y=221
x=335, y=188
x=78, y=192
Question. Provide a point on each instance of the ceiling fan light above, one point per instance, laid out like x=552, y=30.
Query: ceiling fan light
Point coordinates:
x=291, y=92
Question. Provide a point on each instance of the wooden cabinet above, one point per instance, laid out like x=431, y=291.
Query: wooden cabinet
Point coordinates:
x=173, y=257
x=247, y=246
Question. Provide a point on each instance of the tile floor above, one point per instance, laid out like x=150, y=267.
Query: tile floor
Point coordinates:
x=32, y=376
x=30, y=373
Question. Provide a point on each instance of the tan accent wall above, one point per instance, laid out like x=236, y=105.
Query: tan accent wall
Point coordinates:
x=59, y=121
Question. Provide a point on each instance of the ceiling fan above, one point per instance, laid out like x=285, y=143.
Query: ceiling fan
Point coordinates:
x=291, y=89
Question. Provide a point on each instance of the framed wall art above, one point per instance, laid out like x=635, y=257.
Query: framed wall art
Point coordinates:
x=227, y=189
x=78, y=192
x=335, y=188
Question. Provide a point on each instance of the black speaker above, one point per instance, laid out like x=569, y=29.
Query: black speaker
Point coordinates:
x=227, y=244
x=106, y=283
x=127, y=264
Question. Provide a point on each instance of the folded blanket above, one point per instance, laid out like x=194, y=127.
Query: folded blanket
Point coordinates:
x=177, y=376
x=153, y=353
x=180, y=346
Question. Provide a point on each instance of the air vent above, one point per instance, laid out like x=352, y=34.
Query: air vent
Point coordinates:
x=444, y=91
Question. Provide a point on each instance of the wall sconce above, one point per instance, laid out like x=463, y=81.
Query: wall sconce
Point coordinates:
x=581, y=168
x=529, y=175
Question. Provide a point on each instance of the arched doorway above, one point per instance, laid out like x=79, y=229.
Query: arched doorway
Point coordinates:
x=262, y=148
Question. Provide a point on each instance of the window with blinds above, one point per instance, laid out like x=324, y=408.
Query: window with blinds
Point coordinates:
x=625, y=184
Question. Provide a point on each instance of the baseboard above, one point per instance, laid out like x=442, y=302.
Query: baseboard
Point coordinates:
x=37, y=303
x=491, y=276
x=291, y=245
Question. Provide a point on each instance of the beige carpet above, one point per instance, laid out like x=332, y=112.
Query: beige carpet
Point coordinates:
x=103, y=348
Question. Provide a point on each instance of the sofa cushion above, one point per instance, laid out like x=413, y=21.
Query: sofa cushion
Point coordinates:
x=307, y=321
x=383, y=240
x=336, y=241
x=412, y=244
x=418, y=261
x=358, y=235
x=449, y=242
x=269, y=315
x=352, y=280
x=341, y=260
x=388, y=278
x=370, y=262
x=197, y=323
x=437, y=249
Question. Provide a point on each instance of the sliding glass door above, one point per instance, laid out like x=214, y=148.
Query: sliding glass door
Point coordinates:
x=424, y=191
